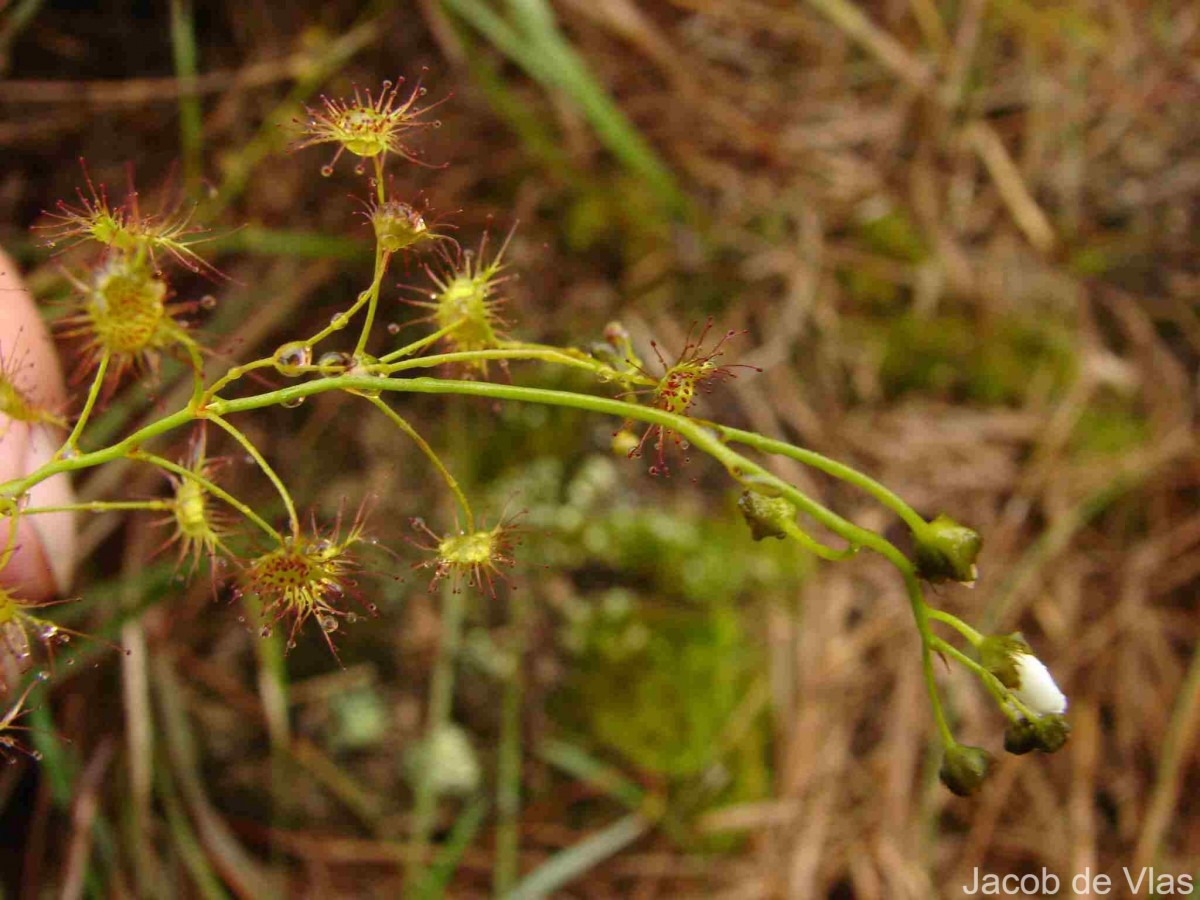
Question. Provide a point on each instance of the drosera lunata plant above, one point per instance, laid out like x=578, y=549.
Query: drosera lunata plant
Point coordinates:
x=694, y=372
x=196, y=518
x=475, y=557
x=308, y=575
x=297, y=574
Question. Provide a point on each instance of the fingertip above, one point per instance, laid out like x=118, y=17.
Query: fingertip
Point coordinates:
x=44, y=558
x=55, y=532
x=28, y=571
x=25, y=340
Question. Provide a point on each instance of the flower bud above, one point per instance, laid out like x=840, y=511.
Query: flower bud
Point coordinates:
x=398, y=226
x=1052, y=733
x=766, y=516
x=617, y=337
x=946, y=551
x=1011, y=660
x=1020, y=737
x=964, y=769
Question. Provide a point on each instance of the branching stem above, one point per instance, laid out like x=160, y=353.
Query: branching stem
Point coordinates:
x=71, y=444
x=402, y=423
x=256, y=455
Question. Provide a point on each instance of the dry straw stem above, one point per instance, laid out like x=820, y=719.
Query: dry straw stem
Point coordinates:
x=142, y=91
x=978, y=135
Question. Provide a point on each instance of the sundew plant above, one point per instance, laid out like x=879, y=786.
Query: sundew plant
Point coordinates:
x=300, y=576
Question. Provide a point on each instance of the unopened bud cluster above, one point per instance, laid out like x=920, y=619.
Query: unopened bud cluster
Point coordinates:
x=1033, y=701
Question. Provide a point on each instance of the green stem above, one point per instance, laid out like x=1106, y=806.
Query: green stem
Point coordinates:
x=372, y=299
x=380, y=190
x=100, y=506
x=450, y=480
x=830, y=467
x=548, y=354
x=574, y=353
x=124, y=448
x=441, y=698
x=1002, y=694
x=508, y=774
x=920, y=610
x=197, y=374
x=957, y=624
x=419, y=344
x=816, y=547
x=703, y=437
x=257, y=456
x=10, y=543
x=71, y=444
x=210, y=486
x=234, y=374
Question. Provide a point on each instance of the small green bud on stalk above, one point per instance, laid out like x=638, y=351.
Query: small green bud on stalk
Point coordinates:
x=1052, y=733
x=964, y=769
x=1048, y=734
x=766, y=516
x=946, y=551
x=399, y=226
x=1020, y=737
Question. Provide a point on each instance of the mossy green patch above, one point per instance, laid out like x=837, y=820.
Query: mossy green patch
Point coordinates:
x=955, y=357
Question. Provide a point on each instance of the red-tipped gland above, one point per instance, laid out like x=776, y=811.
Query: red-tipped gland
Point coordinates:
x=694, y=372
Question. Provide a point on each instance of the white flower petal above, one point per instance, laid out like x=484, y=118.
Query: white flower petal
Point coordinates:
x=1037, y=689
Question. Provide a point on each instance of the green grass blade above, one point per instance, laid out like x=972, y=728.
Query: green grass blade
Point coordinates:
x=563, y=868
x=445, y=863
x=191, y=122
x=534, y=42
x=579, y=763
x=184, y=840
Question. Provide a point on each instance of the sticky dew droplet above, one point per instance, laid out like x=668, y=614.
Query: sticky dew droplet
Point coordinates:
x=334, y=362
x=292, y=358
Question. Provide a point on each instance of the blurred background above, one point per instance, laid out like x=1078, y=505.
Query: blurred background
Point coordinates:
x=961, y=237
